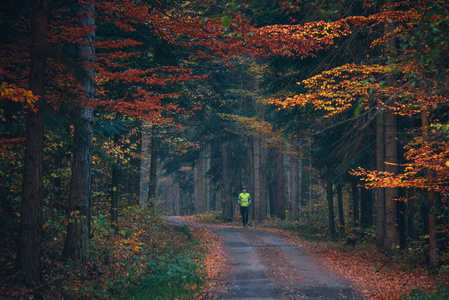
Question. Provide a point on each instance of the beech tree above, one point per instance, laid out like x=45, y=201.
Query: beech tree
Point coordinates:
x=385, y=91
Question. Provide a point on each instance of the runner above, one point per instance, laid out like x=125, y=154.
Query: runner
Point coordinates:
x=244, y=200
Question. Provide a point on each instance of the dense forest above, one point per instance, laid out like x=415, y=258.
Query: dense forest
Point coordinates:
x=333, y=114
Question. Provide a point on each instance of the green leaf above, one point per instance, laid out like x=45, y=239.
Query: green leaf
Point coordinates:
x=358, y=110
x=226, y=20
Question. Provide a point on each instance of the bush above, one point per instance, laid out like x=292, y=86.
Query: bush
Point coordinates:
x=147, y=259
x=438, y=293
x=170, y=278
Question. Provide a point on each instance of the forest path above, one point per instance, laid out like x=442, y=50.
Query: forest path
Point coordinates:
x=264, y=266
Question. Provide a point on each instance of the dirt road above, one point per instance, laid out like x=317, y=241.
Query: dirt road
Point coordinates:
x=264, y=266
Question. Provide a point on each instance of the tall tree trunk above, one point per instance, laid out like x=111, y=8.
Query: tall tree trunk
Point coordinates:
x=207, y=181
x=228, y=207
x=135, y=161
x=145, y=162
x=355, y=202
x=364, y=211
x=280, y=208
x=197, y=196
x=153, y=167
x=115, y=191
x=402, y=221
x=218, y=201
x=182, y=206
x=176, y=205
x=391, y=194
x=341, y=213
x=294, y=188
x=257, y=189
x=380, y=192
x=29, y=248
x=305, y=176
x=330, y=206
x=412, y=212
x=263, y=200
x=77, y=241
x=114, y=197
x=431, y=202
x=248, y=174
x=200, y=190
x=391, y=237
x=286, y=180
x=300, y=184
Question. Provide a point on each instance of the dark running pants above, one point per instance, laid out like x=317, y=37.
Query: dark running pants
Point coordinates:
x=244, y=210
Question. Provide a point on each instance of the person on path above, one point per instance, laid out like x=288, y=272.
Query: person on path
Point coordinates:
x=244, y=200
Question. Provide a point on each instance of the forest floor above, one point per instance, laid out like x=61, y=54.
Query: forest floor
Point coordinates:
x=269, y=263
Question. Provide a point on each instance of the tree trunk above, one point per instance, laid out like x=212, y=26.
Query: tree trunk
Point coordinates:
x=391, y=237
x=370, y=207
x=280, y=208
x=176, y=201
x=300, y=185
x=341, y=213
x=218, y=201
x=294, y=188
x=355, y=202
x=197, y=186
x=364, y=212
x=115, y=191
x=263, y=200
x=153, y=167
x=206, y=180
x=286, y=181
x=114, y=197
x=330, y=205
x=306, y=181
x=200, y=186
x=257, y=201
x=145, y=162
x=391, y=194
x=29, y=246
x=77, y=241
x=228, y=207
x=380, y=192
x=135, y=161
x=412, y=212
x=430, y=174
x=247, y=176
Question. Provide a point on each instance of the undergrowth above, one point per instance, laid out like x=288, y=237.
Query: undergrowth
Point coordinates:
x=146, y=259
x=440, y=292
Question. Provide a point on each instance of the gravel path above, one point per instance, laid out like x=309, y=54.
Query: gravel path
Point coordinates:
x=264, y=266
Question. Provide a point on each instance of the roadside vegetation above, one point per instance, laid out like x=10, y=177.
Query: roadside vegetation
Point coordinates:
x=333, y=114
x=376, y=274
x=146, y=258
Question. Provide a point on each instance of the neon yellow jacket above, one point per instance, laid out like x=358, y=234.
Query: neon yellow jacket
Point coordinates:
x=244, y=199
